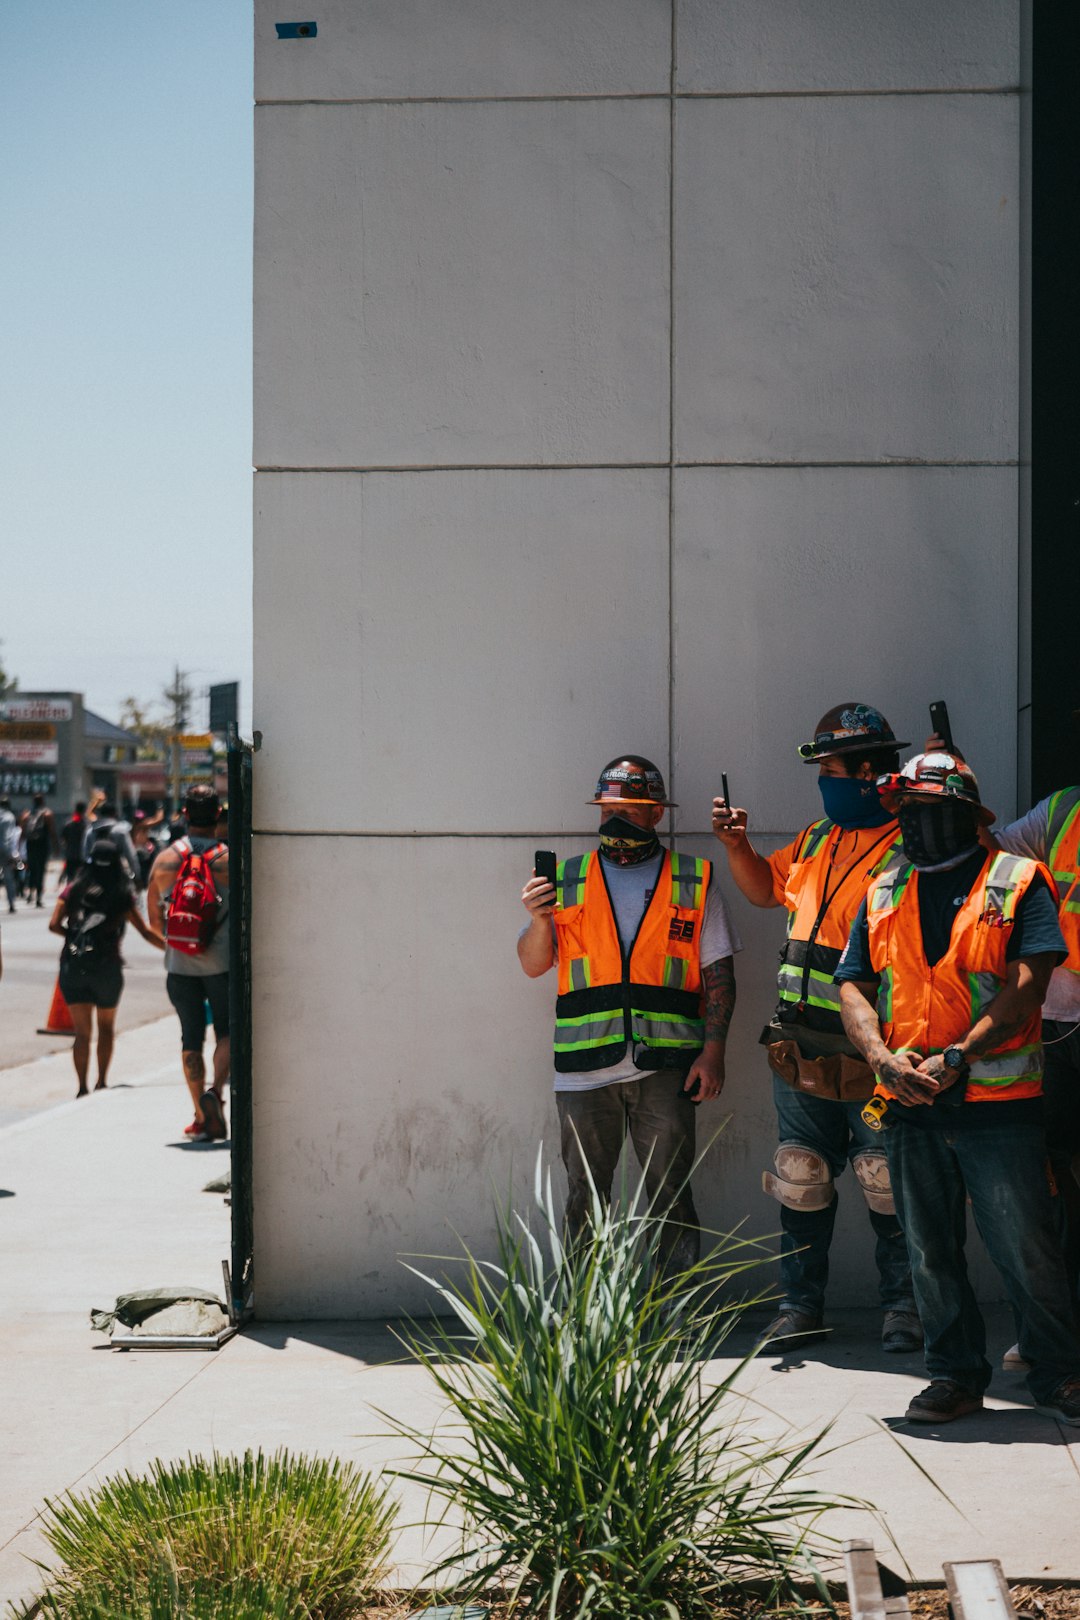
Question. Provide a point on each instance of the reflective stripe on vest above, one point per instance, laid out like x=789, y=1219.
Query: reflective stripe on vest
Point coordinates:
x=1063, y=859
x=924, y=1009
x=822, y=900
x=653, y=998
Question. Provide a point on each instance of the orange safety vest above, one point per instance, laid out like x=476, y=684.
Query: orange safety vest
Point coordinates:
x=1063, y=859
x=651, y=997
x=924, y=1009
x=829, y=874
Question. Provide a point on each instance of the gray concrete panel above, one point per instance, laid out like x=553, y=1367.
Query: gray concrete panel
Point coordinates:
x=376, y=48
x=795, y=589
x=763, y=45
x=461, y=284
x=429, y=1090
x=429, y=1085
x=847, y=279
x=455, y=651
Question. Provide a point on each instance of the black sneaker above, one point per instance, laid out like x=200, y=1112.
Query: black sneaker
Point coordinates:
x=1064, y=1403
x=942, y=1401
x=213, y=1116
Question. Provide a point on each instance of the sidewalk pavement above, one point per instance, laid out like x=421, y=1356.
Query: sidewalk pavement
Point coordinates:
x=104, y=1195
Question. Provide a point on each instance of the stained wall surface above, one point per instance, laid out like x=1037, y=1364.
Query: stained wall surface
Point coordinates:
x=627, y=377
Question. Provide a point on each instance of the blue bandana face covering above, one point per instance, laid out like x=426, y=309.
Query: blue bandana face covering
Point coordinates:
x=851, y=802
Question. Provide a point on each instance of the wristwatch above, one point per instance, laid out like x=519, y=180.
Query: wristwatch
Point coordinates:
x=953, y=1058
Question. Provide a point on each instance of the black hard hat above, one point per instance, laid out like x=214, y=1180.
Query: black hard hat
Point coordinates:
x=631, y=779
x=850, y=728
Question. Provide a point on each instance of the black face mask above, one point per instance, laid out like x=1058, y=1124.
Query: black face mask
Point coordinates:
x=937, y=832
x=625, y=843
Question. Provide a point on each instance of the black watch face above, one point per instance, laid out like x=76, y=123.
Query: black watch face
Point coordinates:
x=954, y=1058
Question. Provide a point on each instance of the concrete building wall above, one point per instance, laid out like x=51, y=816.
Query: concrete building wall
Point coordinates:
x=625, y=378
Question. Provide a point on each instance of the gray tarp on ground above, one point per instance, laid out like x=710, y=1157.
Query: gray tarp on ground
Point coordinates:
x=133, y=1310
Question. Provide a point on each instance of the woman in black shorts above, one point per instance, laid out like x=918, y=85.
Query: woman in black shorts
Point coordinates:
x=91, y=915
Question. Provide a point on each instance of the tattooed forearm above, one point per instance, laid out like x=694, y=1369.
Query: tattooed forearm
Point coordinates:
x=1015, y=1003
x=993, y=1031
x=719, y=981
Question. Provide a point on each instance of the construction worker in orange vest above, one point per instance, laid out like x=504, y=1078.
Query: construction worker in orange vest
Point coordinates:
x=941, y=990
x=1050, y=832
x=819, y=1081
x=644, y=948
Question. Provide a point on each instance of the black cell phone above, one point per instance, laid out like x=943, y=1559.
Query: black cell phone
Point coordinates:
x=724, y=789
x=939, y=722
x=544, y=865
x=694, y=1093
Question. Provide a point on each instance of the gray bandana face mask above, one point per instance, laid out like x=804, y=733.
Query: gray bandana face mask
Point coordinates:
x=938, y=832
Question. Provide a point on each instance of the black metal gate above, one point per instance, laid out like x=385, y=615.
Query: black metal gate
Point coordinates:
x=243, y=1274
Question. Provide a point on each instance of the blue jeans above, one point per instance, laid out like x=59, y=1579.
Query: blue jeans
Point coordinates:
x=836, y=1131
x=1002, y=1168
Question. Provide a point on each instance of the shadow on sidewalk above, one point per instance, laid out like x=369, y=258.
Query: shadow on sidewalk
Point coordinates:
x=375, y=1343
x=1020, y=1425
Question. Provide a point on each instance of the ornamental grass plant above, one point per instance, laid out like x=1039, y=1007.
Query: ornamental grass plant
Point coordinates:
x=279, y=1537
x=603, y=1470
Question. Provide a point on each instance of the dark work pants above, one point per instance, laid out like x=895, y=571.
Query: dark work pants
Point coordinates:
x=660, y=1119
x=1061, y=1117
x=1002, y=1168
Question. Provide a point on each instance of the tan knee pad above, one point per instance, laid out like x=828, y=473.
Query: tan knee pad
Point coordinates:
x=872, y=1173
x=803, y=1180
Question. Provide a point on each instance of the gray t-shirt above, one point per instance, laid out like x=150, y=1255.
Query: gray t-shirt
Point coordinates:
x=631, y=889
x=1030, y=835
x=120, y=833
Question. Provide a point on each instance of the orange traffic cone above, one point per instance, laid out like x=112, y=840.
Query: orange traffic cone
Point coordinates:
x=59, y=1020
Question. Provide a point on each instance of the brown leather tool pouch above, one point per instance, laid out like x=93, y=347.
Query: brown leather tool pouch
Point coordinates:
x=839, y=1078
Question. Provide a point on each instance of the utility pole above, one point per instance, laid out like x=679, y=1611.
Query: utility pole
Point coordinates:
x=179, y=696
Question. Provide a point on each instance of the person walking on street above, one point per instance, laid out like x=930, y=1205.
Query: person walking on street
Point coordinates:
x=41, y=842
x=644, y=949
x=819, y=1081
x=9, y=851
x=71, y=842
x=187, y=903
x=146, y=844
x=91, y=915
x=104, y=822
x=941, y=988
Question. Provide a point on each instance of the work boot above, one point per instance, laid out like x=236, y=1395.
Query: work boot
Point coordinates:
x=791, y=1329
x=942, y=1401
x=901, y=1332
x=1064, y=1403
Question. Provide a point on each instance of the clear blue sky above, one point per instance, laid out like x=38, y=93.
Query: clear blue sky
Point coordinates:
x=125, y=371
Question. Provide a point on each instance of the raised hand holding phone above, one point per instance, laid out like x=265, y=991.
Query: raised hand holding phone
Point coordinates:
x=939, y=725
x=543, y=887
x=728, y=824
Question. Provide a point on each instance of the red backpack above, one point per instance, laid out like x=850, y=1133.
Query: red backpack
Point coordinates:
x=194, y=905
